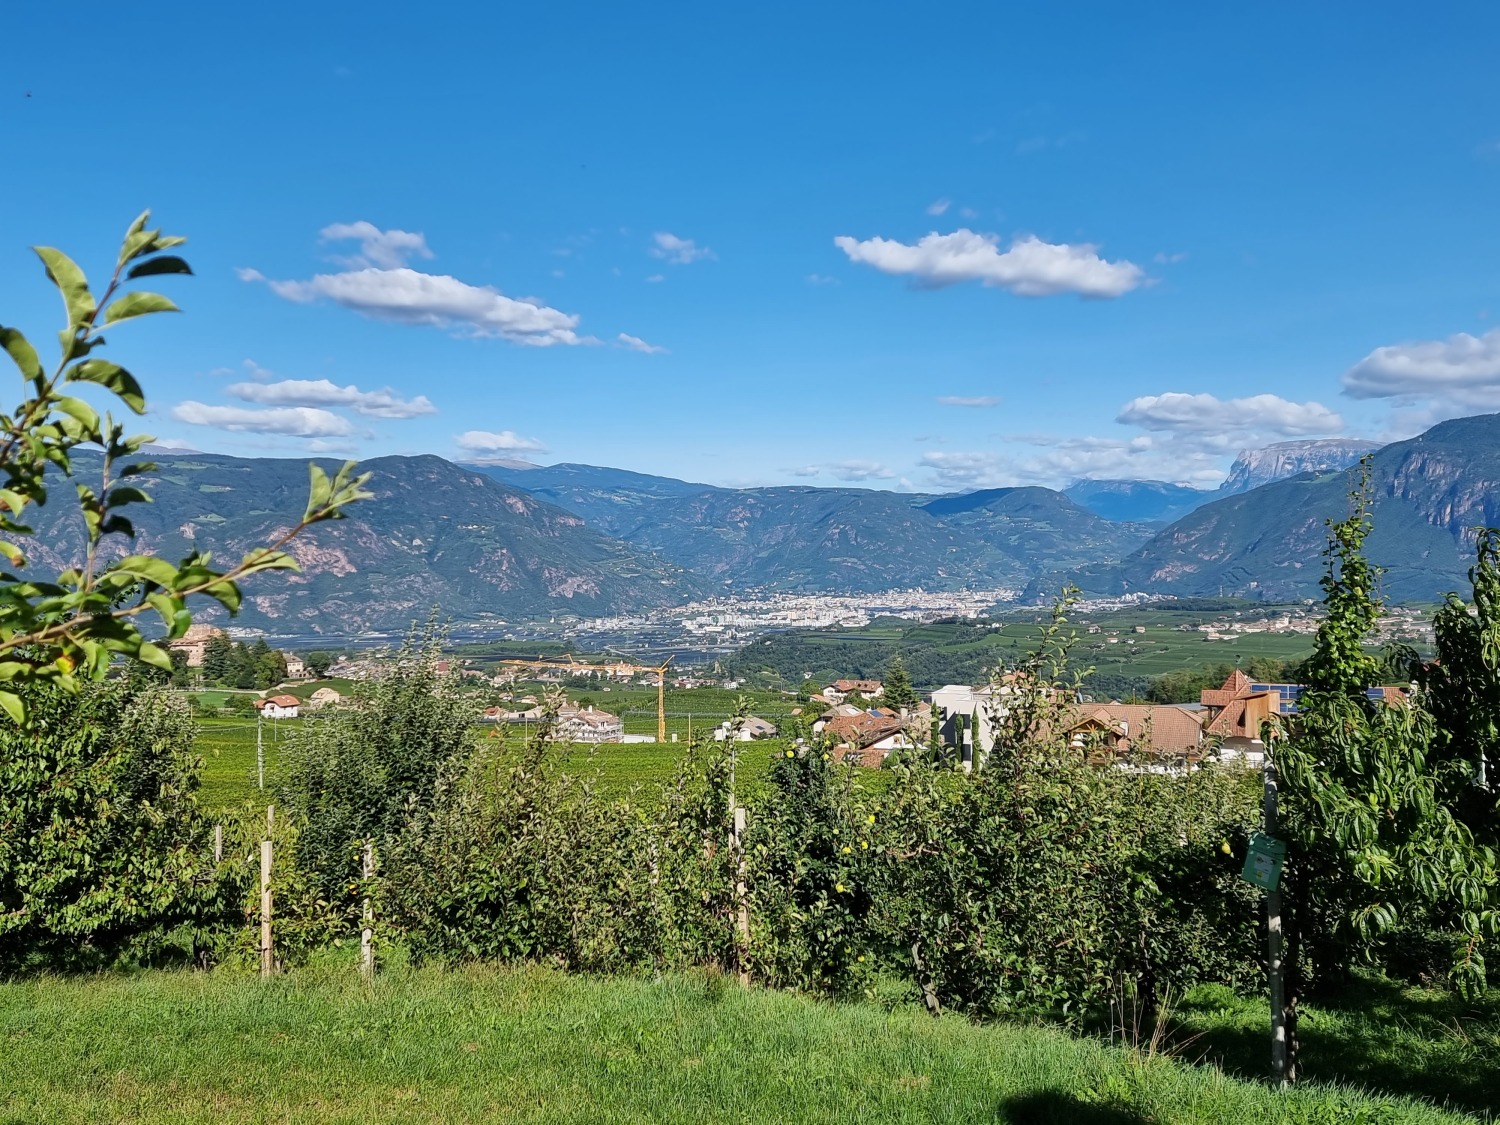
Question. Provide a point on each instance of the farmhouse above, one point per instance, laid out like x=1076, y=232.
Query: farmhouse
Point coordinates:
x=1166, y=733
x=323, y=697
x=1238, y=709
x=867, y=738
x=751, y=729
x=279, y=707
x=194, y=643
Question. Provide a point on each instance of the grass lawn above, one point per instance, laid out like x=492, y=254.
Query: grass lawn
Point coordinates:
x=539, y=1046
x=1380, y=1035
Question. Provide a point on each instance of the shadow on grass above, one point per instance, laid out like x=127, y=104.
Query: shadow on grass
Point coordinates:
x=1379, y=1035
x=1046, y=1107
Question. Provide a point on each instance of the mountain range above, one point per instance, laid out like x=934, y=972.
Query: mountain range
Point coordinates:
x=513, y=541
x=434, y=533
x=1428, y=493
x=1155, y=501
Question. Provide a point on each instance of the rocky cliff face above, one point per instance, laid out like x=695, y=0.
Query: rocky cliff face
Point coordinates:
x=1428, y=492
x=1255, y=467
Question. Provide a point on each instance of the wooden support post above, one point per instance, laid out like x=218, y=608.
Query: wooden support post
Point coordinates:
x=260, y=757
x=742, y=901
x=218, y=843
x=1274, y=965
x=267, y=955
x=367, y=932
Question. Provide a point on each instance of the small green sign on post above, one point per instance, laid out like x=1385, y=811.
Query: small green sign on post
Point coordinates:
x=1263, y=862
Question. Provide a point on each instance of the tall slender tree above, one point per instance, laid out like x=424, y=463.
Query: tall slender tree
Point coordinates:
x=1370, y=836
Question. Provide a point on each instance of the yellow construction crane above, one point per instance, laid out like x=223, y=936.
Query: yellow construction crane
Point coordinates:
x=661, y=701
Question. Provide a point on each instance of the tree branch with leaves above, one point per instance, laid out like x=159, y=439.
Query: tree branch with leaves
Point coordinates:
x=69, y=629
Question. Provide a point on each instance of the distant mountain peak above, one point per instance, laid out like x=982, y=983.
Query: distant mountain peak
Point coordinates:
x=1255, y=467
x=500, y=463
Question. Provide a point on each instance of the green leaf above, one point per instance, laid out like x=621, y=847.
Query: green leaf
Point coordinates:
x=86, y=415
x=112, y=376
x=13, y=706
x=148, y=568
x=20, y=350
x=71, y=283
x=138, y=240
x=149, y=653
x=138, y=304
x=168, y=263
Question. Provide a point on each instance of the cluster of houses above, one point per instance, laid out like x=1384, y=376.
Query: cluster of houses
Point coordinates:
x=193, y=644
x=284, y=706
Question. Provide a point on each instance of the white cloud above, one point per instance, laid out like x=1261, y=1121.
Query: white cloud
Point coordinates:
x=939, y=206
x=681, y=251
x=968, y=400
x=292, y=421
x=323, y=445
x=506, y=441
x=1208, y=415
x=636, y=344
x=1162, y=258
x=1188, y=440
x=969, y=470
x=655, y=277
x=807, y=471
x=387, y=249
x=408, y=297
x=1463, y=369
x=858, y=470
x=323, y=392
x=1056, y=461
x=821, y=279
x=1030, y=268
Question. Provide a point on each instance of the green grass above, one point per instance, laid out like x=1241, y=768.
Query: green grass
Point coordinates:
x=227, y=747
x=488, y=1045
x=1380, y=1034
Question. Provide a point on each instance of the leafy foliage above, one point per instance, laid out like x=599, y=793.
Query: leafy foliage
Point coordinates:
x=517, y=862
x=1462, y=689
x=72, y=627
x=815, y=877
x=102, y=845
x=360, y=773
x=1372, y=836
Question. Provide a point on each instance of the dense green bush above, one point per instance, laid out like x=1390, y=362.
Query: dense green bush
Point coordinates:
x=360, y=773
x=518, y=862
x=103, y=849
x=813, y=877
x=1054, y=884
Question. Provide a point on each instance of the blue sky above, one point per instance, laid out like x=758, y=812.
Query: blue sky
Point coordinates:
x=900, y=246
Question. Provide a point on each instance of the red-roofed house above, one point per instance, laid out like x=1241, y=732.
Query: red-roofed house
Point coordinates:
x=279, y=707
x=866, y=738
x=1173, y=735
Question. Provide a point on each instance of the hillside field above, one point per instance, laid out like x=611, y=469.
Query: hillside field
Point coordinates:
x=965, y=651
x=317, y=1047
